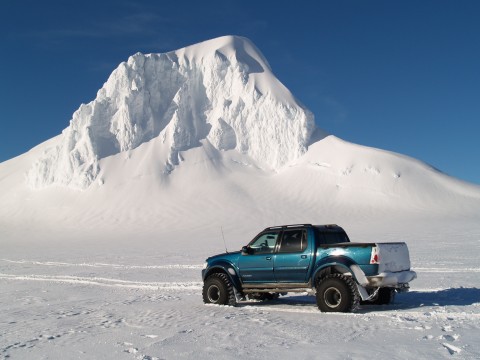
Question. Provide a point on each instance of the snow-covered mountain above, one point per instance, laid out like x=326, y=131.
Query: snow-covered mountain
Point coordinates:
x=208, y=134
x=221, y=90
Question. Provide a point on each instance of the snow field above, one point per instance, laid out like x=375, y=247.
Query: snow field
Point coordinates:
x=128, y=304
x=98, y=316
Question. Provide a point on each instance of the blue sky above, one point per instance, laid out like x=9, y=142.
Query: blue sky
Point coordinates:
x=398, y=75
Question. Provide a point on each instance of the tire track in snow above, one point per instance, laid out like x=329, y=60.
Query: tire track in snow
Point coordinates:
x=394, y=313
x=409, y=315
x=447, y=270
x=194, y=266
x=106, y=282
x=100, y=265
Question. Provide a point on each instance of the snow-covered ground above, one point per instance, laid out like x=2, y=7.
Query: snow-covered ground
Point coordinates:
x=141, y=299
x=104, y=228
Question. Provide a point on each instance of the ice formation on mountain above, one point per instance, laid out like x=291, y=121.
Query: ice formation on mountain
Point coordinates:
x=222, y=90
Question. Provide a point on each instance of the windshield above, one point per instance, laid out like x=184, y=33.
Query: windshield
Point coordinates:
x=264, y=243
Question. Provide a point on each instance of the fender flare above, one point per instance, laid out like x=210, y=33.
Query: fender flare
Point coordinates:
x=342, y=262
x=227, y=268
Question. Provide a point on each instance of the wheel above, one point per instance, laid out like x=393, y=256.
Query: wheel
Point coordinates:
x=218, y=289
x=385, y=296
x=337, y=293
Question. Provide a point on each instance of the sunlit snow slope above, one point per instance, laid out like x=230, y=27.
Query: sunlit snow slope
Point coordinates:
x=203, y=136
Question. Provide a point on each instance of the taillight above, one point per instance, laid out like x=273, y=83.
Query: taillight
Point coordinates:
x=374, y=256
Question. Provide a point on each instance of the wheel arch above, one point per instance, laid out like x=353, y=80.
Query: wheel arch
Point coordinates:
x=227, y=269
x=333, y=265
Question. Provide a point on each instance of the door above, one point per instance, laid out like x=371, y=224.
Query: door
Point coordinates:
x=293, y=258
x=257, y=266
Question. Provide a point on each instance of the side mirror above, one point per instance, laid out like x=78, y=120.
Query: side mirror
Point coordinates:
x=246, y=250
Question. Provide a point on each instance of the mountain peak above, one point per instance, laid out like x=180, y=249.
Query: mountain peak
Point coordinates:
x=221, y=91
x=229, y=46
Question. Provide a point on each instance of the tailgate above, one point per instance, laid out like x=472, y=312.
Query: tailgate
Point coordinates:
x=392, y=257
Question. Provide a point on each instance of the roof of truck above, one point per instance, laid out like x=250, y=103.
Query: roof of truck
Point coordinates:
x=328, y=227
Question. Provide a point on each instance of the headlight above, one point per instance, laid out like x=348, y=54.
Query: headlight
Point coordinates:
x=205, y=265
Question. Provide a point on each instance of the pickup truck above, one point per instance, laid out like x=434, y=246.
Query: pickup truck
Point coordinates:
x=317, y=259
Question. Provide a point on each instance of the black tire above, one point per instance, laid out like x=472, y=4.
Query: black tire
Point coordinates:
x=385, y=296
x=218, y=289
x=337, y=293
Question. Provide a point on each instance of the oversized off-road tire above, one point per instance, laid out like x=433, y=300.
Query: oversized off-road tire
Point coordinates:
x=337, y=293
x=218, y=289
x=385, y=296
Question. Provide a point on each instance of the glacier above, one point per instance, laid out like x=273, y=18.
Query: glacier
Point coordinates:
x=221, y=90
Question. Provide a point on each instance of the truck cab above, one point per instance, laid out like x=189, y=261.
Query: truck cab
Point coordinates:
x=285, y=253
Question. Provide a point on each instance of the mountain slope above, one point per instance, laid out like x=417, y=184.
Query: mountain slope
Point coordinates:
x=335, y=181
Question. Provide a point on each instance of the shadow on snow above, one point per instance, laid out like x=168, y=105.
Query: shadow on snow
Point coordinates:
x=410, y=300
x=446, y=297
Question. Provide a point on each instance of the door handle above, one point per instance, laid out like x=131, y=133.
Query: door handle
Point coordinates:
x=268, y=258
x=304, y=256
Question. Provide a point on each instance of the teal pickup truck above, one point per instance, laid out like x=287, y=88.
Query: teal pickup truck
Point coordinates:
x=309, y=258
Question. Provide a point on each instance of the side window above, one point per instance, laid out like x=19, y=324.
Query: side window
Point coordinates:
x=265, y=243
x=293, y=241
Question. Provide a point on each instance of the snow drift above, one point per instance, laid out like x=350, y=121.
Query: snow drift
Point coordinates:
x=222, y=90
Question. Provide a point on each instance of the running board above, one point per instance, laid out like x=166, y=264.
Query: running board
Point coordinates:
x=276, y=287
x=276, y=290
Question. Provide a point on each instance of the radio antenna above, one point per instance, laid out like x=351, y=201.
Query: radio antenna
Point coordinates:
x=224, y=242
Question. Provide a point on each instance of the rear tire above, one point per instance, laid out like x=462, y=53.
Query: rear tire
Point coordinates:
x=385, y=296
x=218, y=289
x=337, y=293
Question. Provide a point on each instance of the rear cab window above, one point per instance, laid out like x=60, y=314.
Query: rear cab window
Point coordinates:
x=331, y=237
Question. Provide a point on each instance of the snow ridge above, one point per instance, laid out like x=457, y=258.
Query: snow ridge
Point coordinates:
x=221, y=90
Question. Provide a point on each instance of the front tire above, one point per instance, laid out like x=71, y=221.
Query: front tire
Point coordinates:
x=218, y=289
x=337, y=293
